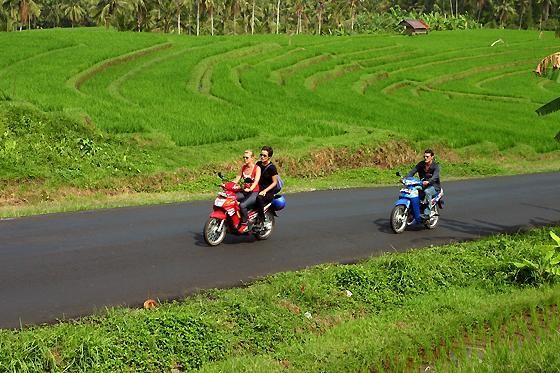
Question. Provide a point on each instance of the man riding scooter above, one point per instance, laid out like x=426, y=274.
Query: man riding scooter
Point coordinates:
x=428, y=172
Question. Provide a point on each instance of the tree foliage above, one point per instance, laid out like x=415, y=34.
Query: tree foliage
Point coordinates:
x=215, y=17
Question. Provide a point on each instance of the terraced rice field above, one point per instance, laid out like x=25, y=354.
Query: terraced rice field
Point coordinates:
x=448, y=88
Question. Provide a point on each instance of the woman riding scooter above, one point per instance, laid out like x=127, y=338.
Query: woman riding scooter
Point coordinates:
x=251, y=174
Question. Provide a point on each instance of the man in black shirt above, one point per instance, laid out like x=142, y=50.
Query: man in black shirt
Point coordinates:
x=428, y=171
x=268, y=180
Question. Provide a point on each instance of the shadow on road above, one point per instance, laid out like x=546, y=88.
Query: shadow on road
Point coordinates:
x=384, y=226
x=548, y=208
x=198, y=238
x=466, y=229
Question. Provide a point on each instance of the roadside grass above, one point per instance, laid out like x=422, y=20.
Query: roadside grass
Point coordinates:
x=182, y=108
x=455, y=306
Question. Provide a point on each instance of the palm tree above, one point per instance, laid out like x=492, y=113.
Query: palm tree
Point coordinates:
x=52, y=12
x=139, y=9
x=320, y=10
x=278, y=17
x=244, y=7
x=179, y=6
x=12, y=12
x=163, y=15
x=253, y=19
x=299, y=9
x=336, y=11
x=546, y=4
x=353, y=5
x=106, y=9
x=234, y=9
x=210, y=7
x=503, y=10
x=74, y=11
x=33, y=12
x=23, y=13
x=479, y=6
x=3, y=18
x=523, y=5
x=198, y=17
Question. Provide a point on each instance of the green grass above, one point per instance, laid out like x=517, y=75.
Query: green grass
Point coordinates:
x=185, y=103
x=430, y=307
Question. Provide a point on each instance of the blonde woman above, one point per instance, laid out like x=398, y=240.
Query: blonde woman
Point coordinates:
x=250, y=174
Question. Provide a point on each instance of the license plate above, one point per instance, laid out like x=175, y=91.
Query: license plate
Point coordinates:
x=219, y=202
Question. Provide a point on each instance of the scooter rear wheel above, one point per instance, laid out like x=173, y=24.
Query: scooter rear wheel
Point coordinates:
x=431, y=223
x=268, y=226
x=399, y=218
x=214, y=231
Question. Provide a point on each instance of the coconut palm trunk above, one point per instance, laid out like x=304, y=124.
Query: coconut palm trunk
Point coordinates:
x=253, y=19
x=23, y=13
x=178, y=23
x=278, y=17
x=353, y=14
x=197, y=17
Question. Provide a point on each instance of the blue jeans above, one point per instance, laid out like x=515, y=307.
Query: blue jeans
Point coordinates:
x=245, y=200
x=430, y=192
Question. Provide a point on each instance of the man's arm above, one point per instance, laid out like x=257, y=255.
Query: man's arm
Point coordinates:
x=413, y=171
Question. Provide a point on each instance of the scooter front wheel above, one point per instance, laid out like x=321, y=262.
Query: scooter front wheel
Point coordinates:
x=214, y=231
x=398, y=218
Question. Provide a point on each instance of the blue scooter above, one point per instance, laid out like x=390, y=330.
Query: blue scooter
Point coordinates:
x=411, y=204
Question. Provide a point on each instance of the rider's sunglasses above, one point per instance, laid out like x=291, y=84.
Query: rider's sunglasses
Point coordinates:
x=264, y=155
x=245, y=157
x=427, y=156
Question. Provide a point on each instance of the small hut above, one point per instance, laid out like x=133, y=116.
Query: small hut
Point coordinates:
x=414, y=26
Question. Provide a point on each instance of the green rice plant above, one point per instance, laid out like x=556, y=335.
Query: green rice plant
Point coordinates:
x=521, y=347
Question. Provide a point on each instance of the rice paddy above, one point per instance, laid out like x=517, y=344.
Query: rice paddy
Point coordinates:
x=453, y=88
x=339, y=111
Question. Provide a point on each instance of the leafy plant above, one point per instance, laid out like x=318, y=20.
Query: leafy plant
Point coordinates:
x=87, y=146
x=548, y=68
x=545, y=268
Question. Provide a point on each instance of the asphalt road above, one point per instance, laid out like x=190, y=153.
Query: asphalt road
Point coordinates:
x=66, y=265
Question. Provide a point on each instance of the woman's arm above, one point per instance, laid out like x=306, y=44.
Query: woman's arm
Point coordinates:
x=237, y=178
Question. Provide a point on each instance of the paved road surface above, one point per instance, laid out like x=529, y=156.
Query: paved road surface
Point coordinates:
x=66, y=265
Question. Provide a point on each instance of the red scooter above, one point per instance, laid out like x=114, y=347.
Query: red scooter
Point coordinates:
x=225, y=216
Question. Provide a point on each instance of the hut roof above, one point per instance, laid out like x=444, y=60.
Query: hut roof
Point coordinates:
x=416, y=24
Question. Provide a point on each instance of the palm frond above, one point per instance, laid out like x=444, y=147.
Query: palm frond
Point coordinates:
x=549, y=107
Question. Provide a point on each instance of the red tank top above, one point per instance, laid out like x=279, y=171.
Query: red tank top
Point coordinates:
x=249, y=179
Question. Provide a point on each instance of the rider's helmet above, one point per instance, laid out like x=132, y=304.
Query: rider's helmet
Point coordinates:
x=279, y=202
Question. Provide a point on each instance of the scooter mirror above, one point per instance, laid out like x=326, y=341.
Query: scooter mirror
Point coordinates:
x=398, y=173
x=220, y=175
